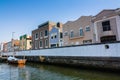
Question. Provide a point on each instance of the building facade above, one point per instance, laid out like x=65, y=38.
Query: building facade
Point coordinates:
x=25, y=42
x=15, y=45
x=1, y=47
x=4, y=47
x=9, y=46
x=40, y=36
x=56, y=37
x=107, y=25
x=78, y=32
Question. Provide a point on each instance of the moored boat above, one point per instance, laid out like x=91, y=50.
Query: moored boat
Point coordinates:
x=14, y=60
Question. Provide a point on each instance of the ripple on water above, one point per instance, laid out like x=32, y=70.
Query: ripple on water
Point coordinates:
x=48, y=72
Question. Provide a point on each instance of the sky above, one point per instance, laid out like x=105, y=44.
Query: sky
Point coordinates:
x=23, y=16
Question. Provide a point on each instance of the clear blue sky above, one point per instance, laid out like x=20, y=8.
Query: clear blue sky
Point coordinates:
x=23, y=16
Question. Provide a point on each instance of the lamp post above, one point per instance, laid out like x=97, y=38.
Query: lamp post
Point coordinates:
x=13, y=34
x=13, y=41
x=0, y=49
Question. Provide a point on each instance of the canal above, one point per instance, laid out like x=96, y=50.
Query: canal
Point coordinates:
x=33, y=71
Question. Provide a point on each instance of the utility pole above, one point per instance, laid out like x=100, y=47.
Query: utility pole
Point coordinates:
x=13, y=34
x=0, y=49
x=13, y=41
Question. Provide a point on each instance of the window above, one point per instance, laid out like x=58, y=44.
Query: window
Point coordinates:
x=65, y=34
x=36, y=44
x=36, y=36
x=41, y=34
x=87, y=41
x=106, y=26
x=60, y=40
x=41, y=45
x=30, y=43
x=53, y=45
x=108, y=39
x=51, y=37
x=46, y=42
x=87, y=29
x=55, y=36
x=81, y=32
x=46, y=33
x=61, y=35
x=58, y=24
x=72, y=34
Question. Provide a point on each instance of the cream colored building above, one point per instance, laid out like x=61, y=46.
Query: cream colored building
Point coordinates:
x=78, y=32
x=25, y=42
x=107, y=25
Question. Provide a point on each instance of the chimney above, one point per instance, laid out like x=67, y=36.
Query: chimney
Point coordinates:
x=59, y=24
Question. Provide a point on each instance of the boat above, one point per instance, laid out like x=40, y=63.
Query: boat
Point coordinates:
x=13, y=60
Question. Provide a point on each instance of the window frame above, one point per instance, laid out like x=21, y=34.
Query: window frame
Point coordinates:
x=106, y=25
x=41, y=45
x=41, y=34
x=87, y=41
x=46, y=34
x=36, y=36
x=65, y=33
x=36, y=46
x=87, y=28
x=46, y=42
x=80, y=32
x=55, y=36
x=71, y=34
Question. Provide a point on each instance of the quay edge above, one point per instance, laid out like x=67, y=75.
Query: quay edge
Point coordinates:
x=104, y=55
x=112, y=63
x=3, y=59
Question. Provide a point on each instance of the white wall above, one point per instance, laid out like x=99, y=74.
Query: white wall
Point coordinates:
x=28, y=44
x=1, y=46
x=118, y=26
x=89, y=50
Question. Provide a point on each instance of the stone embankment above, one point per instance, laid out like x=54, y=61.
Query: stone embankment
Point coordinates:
x=106, y=55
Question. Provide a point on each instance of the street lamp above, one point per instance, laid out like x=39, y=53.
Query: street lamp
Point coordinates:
x=13, y=34
x=13, y=41
x=0, y=49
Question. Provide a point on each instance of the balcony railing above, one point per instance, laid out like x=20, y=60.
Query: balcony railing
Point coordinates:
x=76, y=35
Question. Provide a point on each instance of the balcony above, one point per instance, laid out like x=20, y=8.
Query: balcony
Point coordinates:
x=107, y=33
x=76, y=35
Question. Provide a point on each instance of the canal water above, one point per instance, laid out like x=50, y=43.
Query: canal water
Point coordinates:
x=49, y=72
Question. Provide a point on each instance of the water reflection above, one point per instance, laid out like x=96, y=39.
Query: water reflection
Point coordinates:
x=48, y=72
